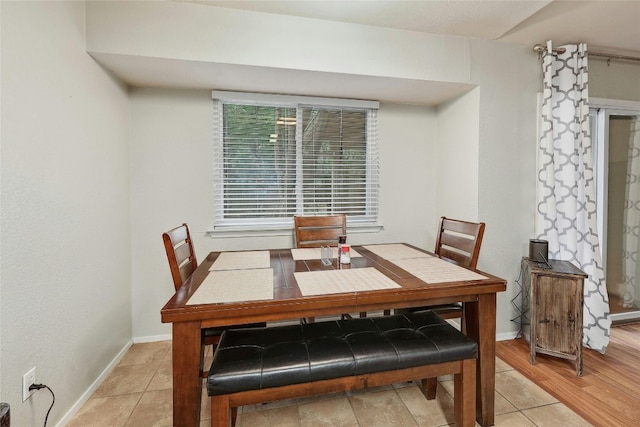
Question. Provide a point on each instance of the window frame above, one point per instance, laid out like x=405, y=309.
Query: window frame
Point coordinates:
x=272, y=226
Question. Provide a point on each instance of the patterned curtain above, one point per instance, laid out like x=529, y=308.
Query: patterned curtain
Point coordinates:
x=631, y=230
x=566, y=204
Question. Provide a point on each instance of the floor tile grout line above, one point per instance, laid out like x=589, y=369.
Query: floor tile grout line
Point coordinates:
x=406, y=407
x=146, y=389
x=353, y=410
x=504, y=369
x=133, y=410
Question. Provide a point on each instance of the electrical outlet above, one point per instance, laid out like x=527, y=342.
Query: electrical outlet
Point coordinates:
x=28, y=379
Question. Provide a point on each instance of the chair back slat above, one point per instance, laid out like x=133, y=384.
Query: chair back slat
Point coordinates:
x=460, y=241
x=316, y=231
x=180, y=254
x=182, y=251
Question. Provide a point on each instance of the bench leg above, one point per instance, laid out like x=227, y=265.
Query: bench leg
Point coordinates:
x=429, y=386
x=221, y=413
x=464, y=394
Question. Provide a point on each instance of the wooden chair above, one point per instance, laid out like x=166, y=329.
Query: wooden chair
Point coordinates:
x=182, y=262
x=459, y=242
x=317, y=231
x=180, y=253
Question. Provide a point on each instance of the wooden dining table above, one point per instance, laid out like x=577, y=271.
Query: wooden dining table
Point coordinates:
x=417, y=278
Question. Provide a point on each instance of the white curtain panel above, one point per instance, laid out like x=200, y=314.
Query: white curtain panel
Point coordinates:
x=631, y=230
x=566, y=203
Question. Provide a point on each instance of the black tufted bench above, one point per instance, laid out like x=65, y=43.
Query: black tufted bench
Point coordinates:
x=272, y=363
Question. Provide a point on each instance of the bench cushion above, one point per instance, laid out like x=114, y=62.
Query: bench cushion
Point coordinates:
x=260, y=358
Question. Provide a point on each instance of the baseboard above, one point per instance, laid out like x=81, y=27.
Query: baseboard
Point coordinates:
x=621, y=318
x=507, y=336
x=152, y=338
x=94, y=386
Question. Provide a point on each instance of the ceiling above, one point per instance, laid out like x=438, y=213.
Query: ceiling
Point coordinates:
x=606, y=26
x=609, y=26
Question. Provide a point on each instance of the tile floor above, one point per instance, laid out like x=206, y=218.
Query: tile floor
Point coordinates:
x=138, y=394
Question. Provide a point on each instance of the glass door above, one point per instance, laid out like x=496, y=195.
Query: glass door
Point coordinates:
x=616, y=135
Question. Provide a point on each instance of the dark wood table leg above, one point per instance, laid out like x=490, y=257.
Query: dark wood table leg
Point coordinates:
x=481, y=326
x=187, y=385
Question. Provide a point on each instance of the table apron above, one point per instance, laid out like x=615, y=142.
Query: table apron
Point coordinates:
x=298, y=309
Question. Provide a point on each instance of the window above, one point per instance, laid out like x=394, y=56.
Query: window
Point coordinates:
x=279, y=156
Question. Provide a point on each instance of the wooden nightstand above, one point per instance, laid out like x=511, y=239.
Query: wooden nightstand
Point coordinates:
x=555, y=299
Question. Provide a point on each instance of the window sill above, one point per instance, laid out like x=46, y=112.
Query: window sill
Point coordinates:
x=266, y=231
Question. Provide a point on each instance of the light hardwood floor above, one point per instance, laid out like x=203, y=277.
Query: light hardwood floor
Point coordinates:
x=608, y=393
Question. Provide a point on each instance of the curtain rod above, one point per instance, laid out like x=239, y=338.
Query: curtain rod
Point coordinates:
x=538, y=48
x=610, y=56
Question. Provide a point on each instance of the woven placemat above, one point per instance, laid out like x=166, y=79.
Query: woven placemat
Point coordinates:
x=305, y=254
x=436, y=270
x=244, y=260
x=233, y=286
x=396, y=251
x=342, y=281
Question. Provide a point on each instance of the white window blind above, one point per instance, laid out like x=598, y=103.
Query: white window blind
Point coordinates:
x=280, y=156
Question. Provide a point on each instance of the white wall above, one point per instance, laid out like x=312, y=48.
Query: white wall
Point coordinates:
x=457, y=154
x=194, y=32
x=82, y=217
x=408, y=143
x=65, y=268
x=1, y=399
x=172, y=182
x=616, y=80
x=490, y=130
x=508, y=77
x=171, y=154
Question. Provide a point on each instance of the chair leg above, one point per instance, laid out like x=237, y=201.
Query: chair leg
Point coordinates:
x=464, y=394
x=204, y=372
x=221, y=412
x=234, y=416
x=429, y=386
x=463, y=322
